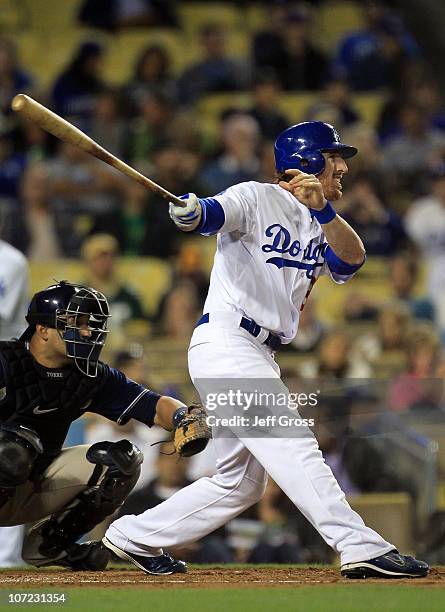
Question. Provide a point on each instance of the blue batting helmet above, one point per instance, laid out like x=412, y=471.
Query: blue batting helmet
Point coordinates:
x=301, y=146
x=60, y=306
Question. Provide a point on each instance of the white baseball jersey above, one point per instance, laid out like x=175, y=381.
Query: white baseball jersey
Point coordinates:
x=270, y=251
x=14, y=291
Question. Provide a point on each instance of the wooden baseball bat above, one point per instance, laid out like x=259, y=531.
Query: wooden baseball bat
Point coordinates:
x=62, y=129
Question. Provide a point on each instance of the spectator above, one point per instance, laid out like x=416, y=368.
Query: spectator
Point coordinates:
x=336, y=100
x=386, y=346
x=288, y=51
x=372, y=58
x=83, y=189
x=11, y=169
x=239, y=160
x=129, y=224
x=425, y=224
x=285, y=535
x=409, y=155
x=335, y=360
x=161, y=121
x=13, y=79
x=419, y=90
x=107, y=127
x=215, y=72
x=141, y=225
x=379, y=227
x=99, y=255
x=189, y=271
x=43, y=242
x=360, y=307
x=33, y=142
x=180, y=312
x=368, y=162
x=266, y=95
x=267, y=52
x=403, y=276
x=278, y=541
x=175, y=169
x=189, y=267
x=415, y=388
x=116, y=14
x=134, y=366
x=427, y=95
x=346, y=439
x=152, y=74
x=310, y=330
x=267, y=170
x=75, y=91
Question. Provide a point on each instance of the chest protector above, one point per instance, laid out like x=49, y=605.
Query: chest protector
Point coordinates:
x=26, y=389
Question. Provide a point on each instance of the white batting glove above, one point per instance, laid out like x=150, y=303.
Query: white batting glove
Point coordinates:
x=187, y=217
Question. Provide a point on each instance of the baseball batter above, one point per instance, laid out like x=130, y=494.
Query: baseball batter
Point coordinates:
x=273, y=241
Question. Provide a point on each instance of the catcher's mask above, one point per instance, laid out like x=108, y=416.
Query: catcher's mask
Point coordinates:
x=80, y=316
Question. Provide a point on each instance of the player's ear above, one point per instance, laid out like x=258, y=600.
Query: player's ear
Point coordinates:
x=42, y=331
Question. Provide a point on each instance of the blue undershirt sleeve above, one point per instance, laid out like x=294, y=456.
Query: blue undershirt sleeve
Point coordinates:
x=212, y=218
x=338, y=266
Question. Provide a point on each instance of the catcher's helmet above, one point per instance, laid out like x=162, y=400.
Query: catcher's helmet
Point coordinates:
x=301, y=146
x=60, y=306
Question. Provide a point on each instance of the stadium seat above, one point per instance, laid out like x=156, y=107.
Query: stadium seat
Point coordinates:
x=295, y=105
x=334, y=19
x=150, y=277
x=195, y=15
x=127, y=45
x=369, y=106
x=46, y=54
x=50, y=16
x=390, y=514
x=13, y=16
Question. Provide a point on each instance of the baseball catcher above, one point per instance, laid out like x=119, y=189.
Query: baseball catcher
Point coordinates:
x=48, y=378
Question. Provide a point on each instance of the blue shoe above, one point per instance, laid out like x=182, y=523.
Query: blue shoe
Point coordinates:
x=390, y=565
x=162, y=565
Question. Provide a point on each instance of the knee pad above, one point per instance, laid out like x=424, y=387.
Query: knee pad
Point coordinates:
x=19, y=448
x=122, y=456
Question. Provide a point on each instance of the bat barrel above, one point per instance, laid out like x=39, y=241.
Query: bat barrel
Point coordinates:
x=62, y=129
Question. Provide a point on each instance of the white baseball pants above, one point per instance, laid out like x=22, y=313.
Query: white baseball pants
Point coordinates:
x=222, y=350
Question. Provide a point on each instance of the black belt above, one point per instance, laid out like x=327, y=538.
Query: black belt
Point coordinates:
x=253, y=328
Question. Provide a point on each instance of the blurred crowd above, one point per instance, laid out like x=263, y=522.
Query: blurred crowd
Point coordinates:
x=58, y=202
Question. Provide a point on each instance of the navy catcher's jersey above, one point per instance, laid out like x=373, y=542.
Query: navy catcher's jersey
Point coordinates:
x=36, y=397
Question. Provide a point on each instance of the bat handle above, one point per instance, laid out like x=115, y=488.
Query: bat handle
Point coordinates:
x=175, y=200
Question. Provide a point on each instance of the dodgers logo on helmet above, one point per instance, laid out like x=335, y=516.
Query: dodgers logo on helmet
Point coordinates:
x=302, y=146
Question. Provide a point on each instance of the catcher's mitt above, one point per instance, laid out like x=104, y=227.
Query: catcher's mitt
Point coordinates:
x=192, y=434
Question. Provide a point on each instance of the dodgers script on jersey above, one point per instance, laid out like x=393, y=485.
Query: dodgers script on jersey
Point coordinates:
x=270, y=251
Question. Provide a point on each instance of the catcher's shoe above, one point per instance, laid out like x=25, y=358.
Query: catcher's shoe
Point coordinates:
x=162, y=565
x=89, y=556
x=390, y=565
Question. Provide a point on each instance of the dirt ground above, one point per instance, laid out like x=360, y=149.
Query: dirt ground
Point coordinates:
x=199, y=578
